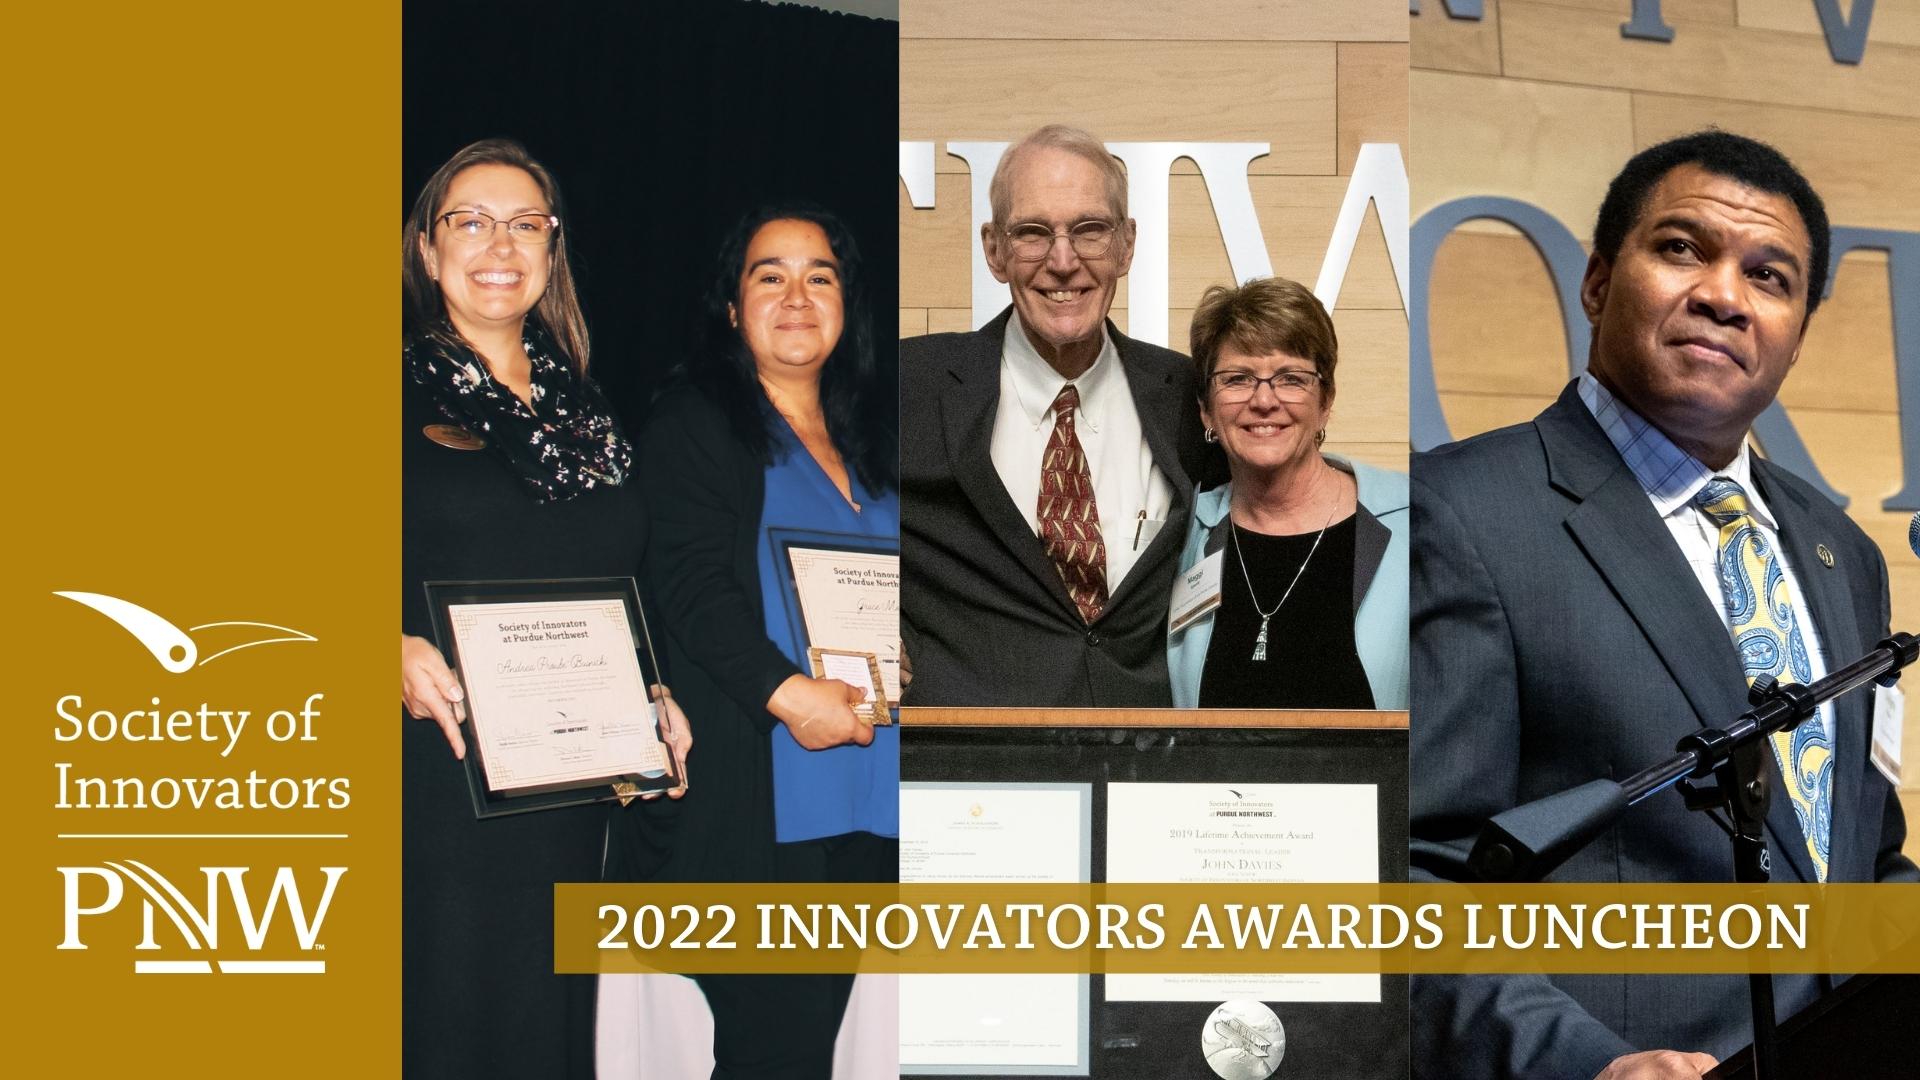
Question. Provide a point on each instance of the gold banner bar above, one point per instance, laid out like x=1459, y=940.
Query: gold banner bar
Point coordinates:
x=1192, y=929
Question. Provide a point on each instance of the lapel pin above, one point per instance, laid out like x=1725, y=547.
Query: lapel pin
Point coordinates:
x=1826, y=556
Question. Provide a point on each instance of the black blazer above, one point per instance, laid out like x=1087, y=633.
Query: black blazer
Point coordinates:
x=984, y=616
x=1558, y=635
x=705, y=494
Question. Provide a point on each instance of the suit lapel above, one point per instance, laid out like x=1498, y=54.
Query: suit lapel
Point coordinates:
x=1615, y=525
x=966, y=415
x=1826, y=599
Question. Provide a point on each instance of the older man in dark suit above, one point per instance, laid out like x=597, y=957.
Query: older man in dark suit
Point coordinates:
x=1589, y=587
x=1043, y=495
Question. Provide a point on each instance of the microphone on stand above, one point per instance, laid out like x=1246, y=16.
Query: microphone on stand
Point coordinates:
x=1913, y=534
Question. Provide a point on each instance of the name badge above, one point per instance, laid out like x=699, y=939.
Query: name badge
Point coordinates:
x=453, y=437
x=1195, y=593
x=1889, y=712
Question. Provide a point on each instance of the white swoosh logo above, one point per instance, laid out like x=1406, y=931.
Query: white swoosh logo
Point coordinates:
x=169, y=644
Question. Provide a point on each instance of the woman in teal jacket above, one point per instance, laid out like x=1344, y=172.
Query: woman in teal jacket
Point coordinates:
x=1293, y=584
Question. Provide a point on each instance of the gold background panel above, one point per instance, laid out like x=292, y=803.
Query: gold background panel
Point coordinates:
x=202, y=341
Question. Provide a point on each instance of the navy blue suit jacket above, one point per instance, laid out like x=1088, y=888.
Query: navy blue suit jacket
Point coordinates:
x=1558, y=636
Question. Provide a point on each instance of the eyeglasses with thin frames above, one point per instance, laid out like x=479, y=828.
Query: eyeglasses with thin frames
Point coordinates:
x=1233, y=387
x=1032, y=241
x=476, y=226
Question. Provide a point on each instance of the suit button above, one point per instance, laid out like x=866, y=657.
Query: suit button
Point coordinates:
x=1093, y=637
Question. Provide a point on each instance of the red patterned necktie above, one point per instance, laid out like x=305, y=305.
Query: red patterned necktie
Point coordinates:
x=1069, y=521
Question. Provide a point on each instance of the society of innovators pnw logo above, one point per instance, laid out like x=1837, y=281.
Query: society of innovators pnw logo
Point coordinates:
x=231, y=919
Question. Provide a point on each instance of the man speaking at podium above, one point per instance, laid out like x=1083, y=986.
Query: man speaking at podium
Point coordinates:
x=1592, y=586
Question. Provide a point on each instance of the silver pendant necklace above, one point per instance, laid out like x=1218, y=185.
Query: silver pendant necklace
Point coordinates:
x=1260, y=643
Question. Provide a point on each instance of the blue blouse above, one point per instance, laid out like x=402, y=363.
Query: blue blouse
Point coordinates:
x=818, y=793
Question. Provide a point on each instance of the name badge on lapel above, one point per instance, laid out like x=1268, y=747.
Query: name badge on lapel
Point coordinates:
x=1195, y=593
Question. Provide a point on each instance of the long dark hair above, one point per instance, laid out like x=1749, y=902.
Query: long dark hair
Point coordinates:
x=859, y=394
x=558, y=312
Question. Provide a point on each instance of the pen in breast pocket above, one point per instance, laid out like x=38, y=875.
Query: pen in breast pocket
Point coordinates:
x=1139, y=524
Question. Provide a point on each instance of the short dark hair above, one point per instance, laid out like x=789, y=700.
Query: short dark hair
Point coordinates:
x=1265, y=315
x=859, y=384
x=1736, y=157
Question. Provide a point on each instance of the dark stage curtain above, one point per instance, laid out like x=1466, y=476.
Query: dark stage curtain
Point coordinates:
x=663, y=122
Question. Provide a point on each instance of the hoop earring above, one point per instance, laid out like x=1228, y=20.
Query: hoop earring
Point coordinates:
x=1209, y=436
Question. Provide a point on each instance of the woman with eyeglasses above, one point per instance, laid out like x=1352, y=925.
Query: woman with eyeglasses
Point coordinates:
x=513, y=466
x=785, y=418
x=1307, y=550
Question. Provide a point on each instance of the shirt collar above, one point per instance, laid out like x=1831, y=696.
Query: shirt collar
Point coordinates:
x=1670, y=476
x=1036, y=384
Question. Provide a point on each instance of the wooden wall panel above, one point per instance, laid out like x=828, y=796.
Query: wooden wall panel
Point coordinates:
x=1493, y=321
x=1894, y=22
x=1441, y=43
x=1543, y=100
x=1126, y=91
x=1552, y=145
x=946, y=227
x=1157, y=20
x=1557, y=44
x=1372, y=97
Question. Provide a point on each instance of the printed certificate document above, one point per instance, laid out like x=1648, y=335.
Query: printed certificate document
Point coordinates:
x=1220, y=833
x=1009, y=1025
x=850, y=602
x=556, y=693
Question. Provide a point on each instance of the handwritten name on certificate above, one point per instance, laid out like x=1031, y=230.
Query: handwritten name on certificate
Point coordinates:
x=850, y=601
x=1221, y=833
x=556, y=692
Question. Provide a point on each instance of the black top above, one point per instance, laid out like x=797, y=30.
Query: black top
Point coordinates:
x=703, y=583
x=1311, y=661
x=479, y=994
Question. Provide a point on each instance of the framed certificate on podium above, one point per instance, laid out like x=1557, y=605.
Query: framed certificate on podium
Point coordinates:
x=557, y=675
x=1171, y=796
x=841, y=592
x=996, y=1025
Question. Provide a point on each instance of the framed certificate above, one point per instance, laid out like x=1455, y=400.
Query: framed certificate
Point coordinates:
x=1244, y=831
x=557, y=676
x=996, y=1025
x=1173, y=798
x=842, y=596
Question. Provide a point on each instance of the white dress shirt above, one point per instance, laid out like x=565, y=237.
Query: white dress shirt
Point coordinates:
x=1129, y=491
x=1671, y=478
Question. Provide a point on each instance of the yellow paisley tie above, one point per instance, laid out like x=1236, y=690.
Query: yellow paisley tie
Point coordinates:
x=1766, y=633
